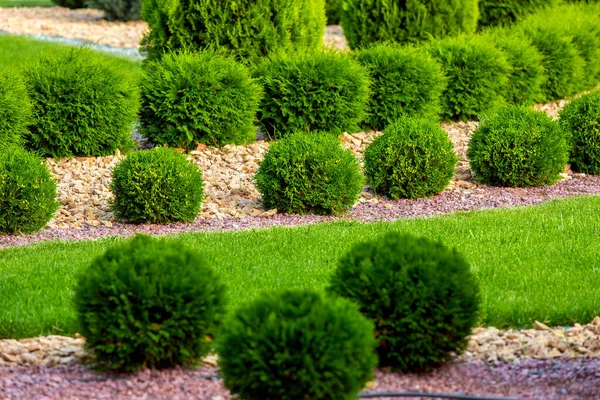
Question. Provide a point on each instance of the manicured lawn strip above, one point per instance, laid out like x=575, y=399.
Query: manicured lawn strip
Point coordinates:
x=532, y=263
x=26, y=3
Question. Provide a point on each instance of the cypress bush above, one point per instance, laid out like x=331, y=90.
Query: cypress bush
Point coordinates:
x=27, y=192
x=370, y=21
x=404, y=82
x=189, y=98
x=148, y=303
x=157, y=186
x=247, y=29
x=506, y=12
x=83, y=104
x=518, y=147
x=413, y=158
x=309, y=173
x=323, y=91
x=118, y=10
x=296, y=345
x=15, y=109
x=421, y=296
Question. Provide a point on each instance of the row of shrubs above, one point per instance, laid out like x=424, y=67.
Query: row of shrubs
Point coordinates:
x=157, y=303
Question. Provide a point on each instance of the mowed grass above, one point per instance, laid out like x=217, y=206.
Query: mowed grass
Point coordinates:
x=532, y=263
x=26, y=3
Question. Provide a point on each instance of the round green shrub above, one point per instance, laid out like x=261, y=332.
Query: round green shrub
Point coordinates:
x=148, y=303
x=580, y=120
x=309, y=173
x=27, y=192
x=118, y=10
x=296, y=345
x=404, y=81
x=15, y=109
x=421, y=296
x=324, y=91
x=518, y=147
x=70, y=3
x=247, y=29
x=83, y=104
x=333, y=11
x=506, y=12
x=477, y=73
x=157, y=186
x=198, y=97
x=413, y=158
x=370, y=21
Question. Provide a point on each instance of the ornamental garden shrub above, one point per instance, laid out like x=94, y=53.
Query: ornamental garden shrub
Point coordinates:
x=189, y=98
x=506, y=12
x=370, y=21
x=118, y=10
x=296, y=345
x=83, y=104
x=247, y=29
x=404, y=81
x=421, y=296
x=333, y=11
x=322, y=91
x=518, y=147
x=27, y=192
x=15, y=109
x=148, y=303
x=70, y=3
x=413, y=158
x=309, y=173
x=157, y=186
x=477, y=73
x=580, y=119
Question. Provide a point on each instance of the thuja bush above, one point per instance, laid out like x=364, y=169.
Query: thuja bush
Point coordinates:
x=247, y=29
x=309, y=173
x=322, y=91
x=333, y=11
x=421, y=296
x=413, y=158
x=296, y=345
x=369, y=21
x=518, y=147
x=506, y=12
x=148, y=303
x=27, y=192
x=70, y=3
x=477, y=73
x=157, y=186
x=83, y=104
x=15, y=109
x=189, y=98
x=580, y=119
x=118, y=10
x=404, y=81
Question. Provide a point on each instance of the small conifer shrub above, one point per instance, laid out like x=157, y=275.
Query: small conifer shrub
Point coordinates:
x=118, y=10
x=15, y=109
x=507, y=12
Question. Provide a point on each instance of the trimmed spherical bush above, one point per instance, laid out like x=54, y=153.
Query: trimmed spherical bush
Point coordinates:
x=506, y=12
x=518, y=147
x=157, y=186
x=580, y=120
x=83, y=104
x=27, y=192
x=421, y=296
x=148, y=303
x=247, y=29
x=309, y=173
x=296, y=345
x=477, y=73
x=15, y=109
x=413, y=158
x=118, y=10
x=324, y=91
x=404, y=82
x=192, y=98
x=401, y=21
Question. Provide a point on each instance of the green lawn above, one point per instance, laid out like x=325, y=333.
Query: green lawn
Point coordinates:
x=26, y=3
x=532, y=263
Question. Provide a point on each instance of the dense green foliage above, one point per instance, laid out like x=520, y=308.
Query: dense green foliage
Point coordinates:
x=309, y=173
x=248, y=29
x=322, y=91
x=477, y=73
x=27, y=192
x=580, y=119
x=333, y=11
x=189, y=98
x=421, y=296
x=296, y=345
x=157, y=186
x=370, y=21
x=404, y=81
x=70, y=3
x=15, y=109
x=83, y=104
x=506, y=12
x=413, y=158
x=518, y=147
x=148, y=303
x=118, y=10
